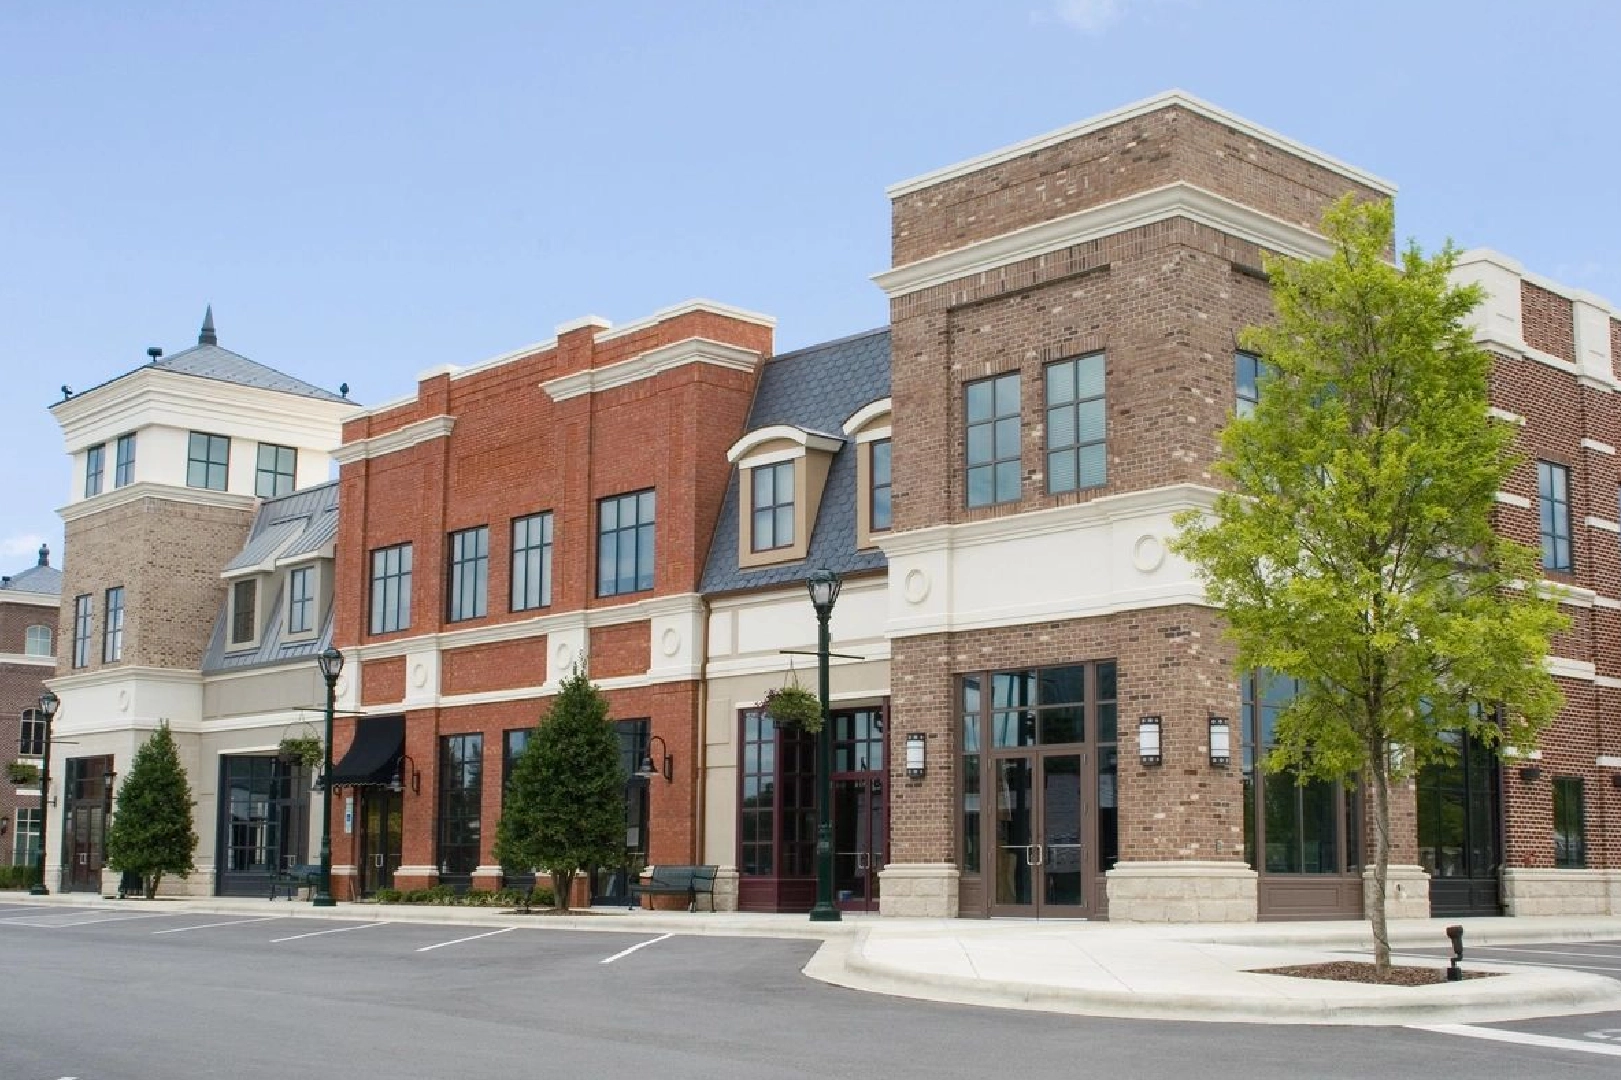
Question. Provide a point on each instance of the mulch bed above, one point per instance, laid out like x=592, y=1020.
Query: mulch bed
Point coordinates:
x=1363, y=972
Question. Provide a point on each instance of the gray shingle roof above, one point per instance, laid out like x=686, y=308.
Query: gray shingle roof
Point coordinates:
x=816, y=389
x=41, y=578
x=292, y=524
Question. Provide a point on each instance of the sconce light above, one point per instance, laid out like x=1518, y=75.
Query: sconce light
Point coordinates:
x=107, y=782
x=1530, y=774
x=1148, y=740
x=649, y=769
x=916, y=755
x=396, y=783
x=5, y=823
x=1221, y=741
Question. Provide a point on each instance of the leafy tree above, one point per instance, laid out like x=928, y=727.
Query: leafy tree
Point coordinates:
x=1355, y=549
x=565, y=802
x=151, y=832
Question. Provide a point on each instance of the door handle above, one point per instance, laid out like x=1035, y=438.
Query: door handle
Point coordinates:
x=1035, y=854
x=863, y=860
x=377, y=861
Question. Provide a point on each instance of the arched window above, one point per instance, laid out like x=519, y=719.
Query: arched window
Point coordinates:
x=38, y=641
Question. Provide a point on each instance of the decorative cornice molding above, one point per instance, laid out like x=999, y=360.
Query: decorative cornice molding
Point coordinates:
x=24, y=660
x=392, y=442
x=1176, y=200
x=148, y=489
x=653, y=362
x=689, y=307
x=804, y=440
x=32, y=599
x=867, y=414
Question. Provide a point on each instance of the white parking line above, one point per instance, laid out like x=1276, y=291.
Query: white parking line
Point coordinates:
x=318, y=933
x=210, y=926
x=475, y=937
x=633, y=948
x=1522, y=1038
x=122, y=918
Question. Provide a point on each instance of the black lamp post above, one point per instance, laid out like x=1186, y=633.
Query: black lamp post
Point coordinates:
x=331, y=662
x=48, y=703
x=824, y=592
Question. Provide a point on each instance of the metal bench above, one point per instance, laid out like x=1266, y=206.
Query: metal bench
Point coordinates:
x=688, y=881
x=294, y=878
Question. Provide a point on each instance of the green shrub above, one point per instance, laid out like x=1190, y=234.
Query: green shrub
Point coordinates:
x=386, y=896
x=16, y=877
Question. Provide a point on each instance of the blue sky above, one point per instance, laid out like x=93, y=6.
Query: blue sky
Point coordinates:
x=367, y=190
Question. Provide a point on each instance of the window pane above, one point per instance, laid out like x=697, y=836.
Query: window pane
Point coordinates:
x=981, y=399
x=1092, y=468
x=979, y=444
x=1007, y=395
x=1089, y=376
x=1060, y=384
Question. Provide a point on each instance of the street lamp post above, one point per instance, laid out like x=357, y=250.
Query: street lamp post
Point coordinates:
x=824, y=585
x=331, y=662
x=48, y=703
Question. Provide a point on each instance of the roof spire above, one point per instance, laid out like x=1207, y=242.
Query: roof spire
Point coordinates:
x=44, y=555
x=208, y=337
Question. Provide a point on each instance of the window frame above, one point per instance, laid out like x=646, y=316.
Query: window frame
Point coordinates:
x=206, y=463
x=1569, y=823
x=25, y=842
x=467, y=577
x=112, y=627
x=274, y=472
x=390, y=589
x=83, y=615
x=1553, y=513
x=31, y=637
x=644, y=579
x=461, y=753
x=887, y=486
x=531, y=577
x=993, y=421
x=1244, y=405
x=773, y=510
x=124, y=463
x=242, y=617
x=95, y=467
x=309, y=603
x=1077, y=447
x=31, y=733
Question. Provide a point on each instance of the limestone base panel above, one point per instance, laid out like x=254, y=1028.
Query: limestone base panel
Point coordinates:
x=1182, y=892
x=1562, y=892
x=1407, y=892
x=918, y=890
x=725, y=895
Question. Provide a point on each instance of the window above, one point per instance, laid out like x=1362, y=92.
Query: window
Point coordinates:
x=244, y=604
x=1553, y=491
x=1569, y=824
x=301, y=600
x=277, y=467
x=25, y=851
x=391, y=589
x=124, y=470
x=1251, y=369
x=32, y=742
x=993, y=440
x=208, y=459
x=461, y=790
x=777, y=816
x=37, y=641
x=469, y=573
x=625, y=544
x=1075, y=424
x=532, y=561
x=94, y=460
x=81, y=631
x=773, y=522
x=512, y=748
x=112, y=629
x=880, y=518
x=1289, y=827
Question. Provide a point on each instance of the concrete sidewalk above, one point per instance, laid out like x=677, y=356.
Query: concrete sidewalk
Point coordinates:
x=1096, y=969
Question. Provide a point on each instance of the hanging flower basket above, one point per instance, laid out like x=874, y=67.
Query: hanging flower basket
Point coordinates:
x=794, y=706
x=23, y=773
x=305, y=749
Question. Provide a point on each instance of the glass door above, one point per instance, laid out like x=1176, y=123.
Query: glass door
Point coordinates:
x=858, y=842
x=89, y=799
x=382, y=814
x=1039, y=857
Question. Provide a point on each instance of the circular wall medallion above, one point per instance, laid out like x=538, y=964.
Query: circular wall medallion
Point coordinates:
x=1149, y=553
x=123, y=701
x=670, y=642
x=419, y=675
x=564, y=655
x=916, y=587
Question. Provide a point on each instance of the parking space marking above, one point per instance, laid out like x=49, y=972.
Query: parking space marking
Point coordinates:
x=58, y=919
x=475, y=937
x=639, y=945
x=210, y=926
x=318, y=933
x=96, y=920
x=1521, y=1038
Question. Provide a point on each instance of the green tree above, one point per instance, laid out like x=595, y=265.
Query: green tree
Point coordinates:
x=565, y=802
x=151, y=832
x=1355, y=549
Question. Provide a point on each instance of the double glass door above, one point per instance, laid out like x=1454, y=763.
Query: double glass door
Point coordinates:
x=89, y=791
x=1040, y=855
x=382, y=814
x=859, y=818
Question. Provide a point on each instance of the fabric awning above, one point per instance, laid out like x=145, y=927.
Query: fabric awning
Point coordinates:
x=375, y=754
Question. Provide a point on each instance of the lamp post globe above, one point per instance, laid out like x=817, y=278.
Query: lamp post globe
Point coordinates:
x=823, y=586
x=331, y=663
x=48, y=704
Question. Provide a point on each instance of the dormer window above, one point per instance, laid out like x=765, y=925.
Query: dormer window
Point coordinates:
x=301, y=602
x=781, y=473
x=773, y=525
x=244, y=616
x=869, y=427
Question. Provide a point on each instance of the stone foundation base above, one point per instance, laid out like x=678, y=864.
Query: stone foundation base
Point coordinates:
x=725, y=897
x=1562, y=892
x=1407, y=892
x=918, y=890
x=1182, y=892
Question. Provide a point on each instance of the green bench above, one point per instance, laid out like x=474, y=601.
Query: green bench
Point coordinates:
x=294, y=878
x=688, y=881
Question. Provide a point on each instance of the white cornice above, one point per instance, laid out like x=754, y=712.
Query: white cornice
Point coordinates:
x=1177, y=200
x=655, y=361
x=111, y=676
x=32, y=599
x=392, y=442
x=866, y=415
x=688, y=307
x=1131, y=112
x=803, y=441
x=147, y=489
x=1522, y=350
x=24, y=660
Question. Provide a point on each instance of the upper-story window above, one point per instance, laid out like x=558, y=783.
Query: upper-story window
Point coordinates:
x=244, y=611
x=81, y=631
x=301, y=600
x=112, y=627
x=32, y=742
x=391, y=589
x=208, y=461
x=124, y=461
x=469, y=573
x=773, y=506
x=1249, y=370
x=879, y=511
x=1553, y=492
x=1569, y=824
x=37, y=641
x=277, y=467
x=1076, y=451
x=532, y=561
x=993, y=440
x=95, y=461
x=625, y=543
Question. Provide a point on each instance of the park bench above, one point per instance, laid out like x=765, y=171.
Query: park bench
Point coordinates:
x=294, y=878
x=686, y=881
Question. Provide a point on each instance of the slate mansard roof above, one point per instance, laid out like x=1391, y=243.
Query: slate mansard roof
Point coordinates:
x=298, y=524
x=816, y=389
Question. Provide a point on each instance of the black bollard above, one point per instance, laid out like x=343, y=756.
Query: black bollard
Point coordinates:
x=1454, y=972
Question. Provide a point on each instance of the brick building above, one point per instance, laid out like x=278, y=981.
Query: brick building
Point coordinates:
x=28, y=603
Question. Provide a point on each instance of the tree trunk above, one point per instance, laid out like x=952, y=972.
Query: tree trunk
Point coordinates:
x=151, y=883
x=1380, y=791
x=562, y=884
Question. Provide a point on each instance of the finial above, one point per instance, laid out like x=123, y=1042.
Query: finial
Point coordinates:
x=44, y=555
x=153, y=353
x=208, y=337
x=343, y=389
x=67, y=391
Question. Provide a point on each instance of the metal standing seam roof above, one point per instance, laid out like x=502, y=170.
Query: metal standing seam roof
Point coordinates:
x=223, y=365
x=816, y=389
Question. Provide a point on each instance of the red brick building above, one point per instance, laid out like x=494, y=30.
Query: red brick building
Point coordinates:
x=28, y=603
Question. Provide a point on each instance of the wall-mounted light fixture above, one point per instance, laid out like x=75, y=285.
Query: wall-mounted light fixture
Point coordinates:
x=916, y=755
x=1221, y=741
x=648, y=769
x=1149, y=750
x=396, y=783
x=1530, y=774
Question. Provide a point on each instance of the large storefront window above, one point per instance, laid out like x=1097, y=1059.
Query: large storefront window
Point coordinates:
x=25, y=849
x=461, y=791
x=611, y=884
x=776, y=816
x=264, y=821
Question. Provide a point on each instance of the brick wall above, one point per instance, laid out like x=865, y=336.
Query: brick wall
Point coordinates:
x=490, y=667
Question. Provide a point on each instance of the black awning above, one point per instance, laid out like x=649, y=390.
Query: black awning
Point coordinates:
x=375, y=754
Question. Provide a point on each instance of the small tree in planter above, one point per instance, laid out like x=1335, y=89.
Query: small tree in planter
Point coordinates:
x=151, y=833
x=795, y=707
